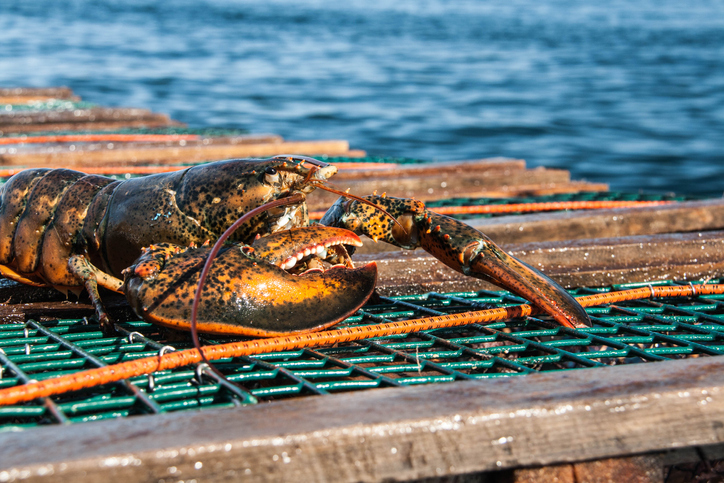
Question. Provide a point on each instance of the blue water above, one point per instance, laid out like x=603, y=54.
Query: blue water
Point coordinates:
x=625, y=92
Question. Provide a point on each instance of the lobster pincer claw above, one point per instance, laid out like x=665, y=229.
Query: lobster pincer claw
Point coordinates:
x=460, y=247
x=247, y=291
x=489, y=262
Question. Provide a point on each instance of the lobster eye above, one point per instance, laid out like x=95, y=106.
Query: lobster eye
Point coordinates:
x=271, y=175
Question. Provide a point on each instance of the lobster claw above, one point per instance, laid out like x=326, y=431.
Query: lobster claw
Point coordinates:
x=459, y=246
x=246, y=294
x=493, y=264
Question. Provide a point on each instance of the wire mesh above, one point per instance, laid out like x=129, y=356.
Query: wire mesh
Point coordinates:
x=625, y=333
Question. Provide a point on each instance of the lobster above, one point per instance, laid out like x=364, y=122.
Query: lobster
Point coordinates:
x=69, y=230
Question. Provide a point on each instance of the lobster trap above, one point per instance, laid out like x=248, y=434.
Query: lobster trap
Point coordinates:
x=624, y=333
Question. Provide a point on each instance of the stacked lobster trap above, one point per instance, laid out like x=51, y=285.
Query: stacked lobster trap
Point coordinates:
x=431, y=421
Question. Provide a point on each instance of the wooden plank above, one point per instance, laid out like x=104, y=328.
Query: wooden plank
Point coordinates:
x=395, y=433
x=173, y=154
x=424, y=186
x=680, y=217
x=533, y=190
x=682, y=465
x=89, y=126
x=583, y=263
x=633, y=469
x=45, y=147
x=648, y=220
x=499, y=167
x=47, y=92
x=95, y=114
x=321, y=202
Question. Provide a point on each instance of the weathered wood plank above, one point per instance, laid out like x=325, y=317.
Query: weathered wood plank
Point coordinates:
x=673, y=466
x=322, y=203
x=679, y=217
x=633, y=469
x=511, y=191
x=173, y=154
x=86, y=147
x=94, y=114
x=49, y=92
x=648, y=220
x=440, y=170
x=426, y=186
x=396, y=433
x=89, y=126
x=572, y=263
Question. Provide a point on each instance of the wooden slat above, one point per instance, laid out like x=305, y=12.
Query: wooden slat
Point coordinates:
x=53, y=146
x=442, y=171
x=158, y=122
x=533, y=190
x=648, y=220
x=680, y=217
x=396, y=433
x=95, y=114
x=174, y=154
x=426, y=186
x=46, y=92
x=321, y=202
x=583, y=263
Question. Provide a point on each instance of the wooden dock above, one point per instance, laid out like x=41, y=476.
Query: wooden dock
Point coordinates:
x=627, y=422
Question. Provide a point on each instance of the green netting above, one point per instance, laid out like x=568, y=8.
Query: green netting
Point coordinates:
x=624, y=333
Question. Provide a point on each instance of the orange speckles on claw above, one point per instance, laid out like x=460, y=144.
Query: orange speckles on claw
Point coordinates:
x=147, y=269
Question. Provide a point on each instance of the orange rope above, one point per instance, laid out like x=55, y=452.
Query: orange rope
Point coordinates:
x=84, y=138
x=545, y=206
x=530, y=207
x=20, y=100
x=138, y=367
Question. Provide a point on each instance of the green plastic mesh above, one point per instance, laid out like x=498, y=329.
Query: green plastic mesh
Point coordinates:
x=624, y=333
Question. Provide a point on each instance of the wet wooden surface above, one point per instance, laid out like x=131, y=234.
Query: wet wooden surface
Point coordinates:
x=590, y=263
x=174, y=154
x=576, y=263
x=677, y=217
x=398, y=433
x=494, y=177
x=35, y=92
x=680, y=217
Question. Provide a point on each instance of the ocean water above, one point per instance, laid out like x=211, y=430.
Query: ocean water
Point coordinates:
x=629, y=93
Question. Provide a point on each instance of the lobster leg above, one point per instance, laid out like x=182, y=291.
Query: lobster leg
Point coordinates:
x=92, y=277
x=460, y=247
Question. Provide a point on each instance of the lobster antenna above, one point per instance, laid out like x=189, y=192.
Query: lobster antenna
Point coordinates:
x=289, y=200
